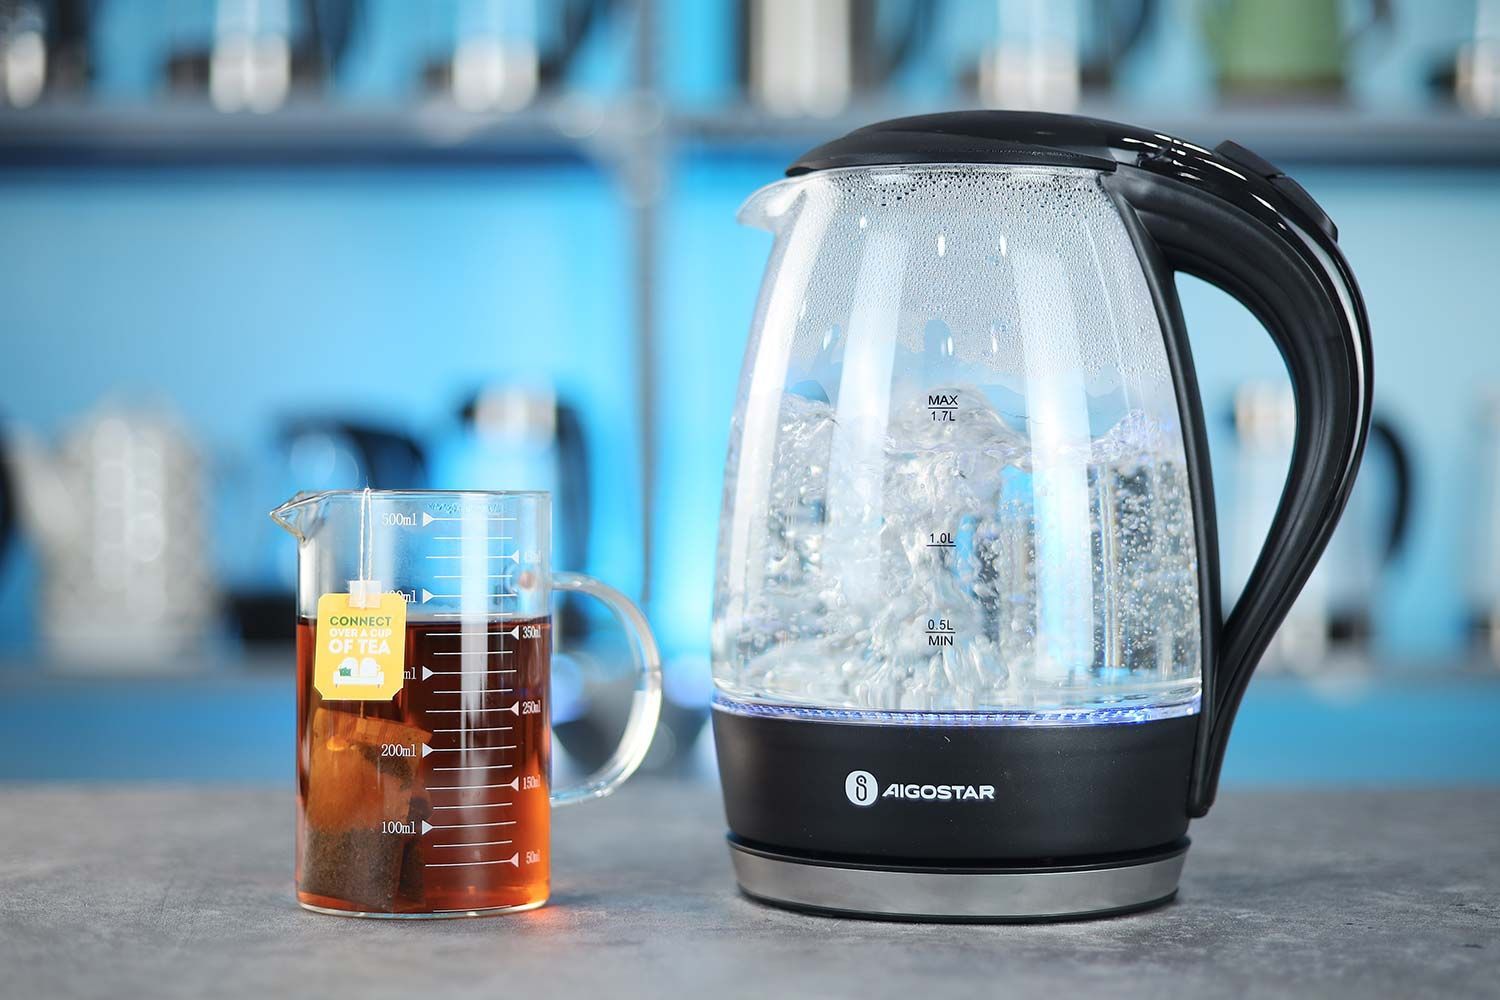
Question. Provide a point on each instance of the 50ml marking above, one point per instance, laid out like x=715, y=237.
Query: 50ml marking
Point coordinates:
x=940, y=632
x=943, y=407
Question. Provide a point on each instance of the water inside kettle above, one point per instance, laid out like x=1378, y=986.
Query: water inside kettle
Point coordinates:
x=990, y=593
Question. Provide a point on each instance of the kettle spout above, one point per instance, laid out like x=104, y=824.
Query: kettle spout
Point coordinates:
x=769, y=207
x=45, y=501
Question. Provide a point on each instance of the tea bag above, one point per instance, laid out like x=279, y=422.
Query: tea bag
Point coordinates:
x=359, y=780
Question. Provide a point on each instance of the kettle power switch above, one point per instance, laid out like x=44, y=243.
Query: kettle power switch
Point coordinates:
x=1297, y=195
x=1249, y=159
x=1289, y=188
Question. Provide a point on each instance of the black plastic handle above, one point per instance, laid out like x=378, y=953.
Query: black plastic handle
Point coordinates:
x=1398, y=526
x=1237, y=230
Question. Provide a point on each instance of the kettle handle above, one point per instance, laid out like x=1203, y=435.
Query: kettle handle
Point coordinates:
x=1238, y=222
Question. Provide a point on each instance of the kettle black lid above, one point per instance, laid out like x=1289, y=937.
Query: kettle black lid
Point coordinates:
x=980, y=137
x=1041, y=139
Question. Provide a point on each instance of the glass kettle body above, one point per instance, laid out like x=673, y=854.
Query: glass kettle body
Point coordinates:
x=960, y=482
x=968, y=649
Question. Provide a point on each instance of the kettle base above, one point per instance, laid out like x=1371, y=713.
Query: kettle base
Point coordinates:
x=1047, y=891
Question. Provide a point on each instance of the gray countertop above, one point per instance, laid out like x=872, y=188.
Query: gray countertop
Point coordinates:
x=186, y=892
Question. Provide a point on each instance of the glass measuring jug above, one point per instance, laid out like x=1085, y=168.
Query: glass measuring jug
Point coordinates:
x=423, y=742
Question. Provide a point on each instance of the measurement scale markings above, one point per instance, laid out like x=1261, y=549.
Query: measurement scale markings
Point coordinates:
x=472, y=538
x=429, y=518
x=476, y=729
x=476, y=652
x=428, y=595
x=513, y=633
x=427, y=749
x=499, y=614
x=475, y=767
x=514, y=859
x=475, y=805
x=514, y=557
x=480, y=691
x=465, y=787
x=428, y=672
x=482, y=843
x=426, y=826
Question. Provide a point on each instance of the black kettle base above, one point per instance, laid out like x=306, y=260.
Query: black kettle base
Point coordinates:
x=1020, y=893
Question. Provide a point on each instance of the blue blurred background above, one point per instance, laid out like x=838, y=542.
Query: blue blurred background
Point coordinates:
x=541, y=279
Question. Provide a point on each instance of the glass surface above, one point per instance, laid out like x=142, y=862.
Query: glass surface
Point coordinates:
x=956, y=479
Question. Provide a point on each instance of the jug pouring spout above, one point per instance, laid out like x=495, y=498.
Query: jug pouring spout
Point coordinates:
x=298, y=514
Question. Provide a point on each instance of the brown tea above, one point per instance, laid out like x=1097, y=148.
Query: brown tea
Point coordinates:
x=436, y=800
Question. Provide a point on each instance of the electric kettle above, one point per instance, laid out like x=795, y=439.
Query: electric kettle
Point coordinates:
x=796, y=58
x=968, y=650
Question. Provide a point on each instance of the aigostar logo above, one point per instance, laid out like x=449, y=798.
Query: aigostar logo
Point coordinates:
x=862, y=789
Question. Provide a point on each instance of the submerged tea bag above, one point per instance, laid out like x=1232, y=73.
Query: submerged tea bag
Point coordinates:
x=365, y=806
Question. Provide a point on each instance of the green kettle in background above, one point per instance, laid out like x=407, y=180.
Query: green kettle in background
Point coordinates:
x=1284, y=48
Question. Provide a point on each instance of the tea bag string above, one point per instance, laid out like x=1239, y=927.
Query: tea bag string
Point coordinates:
x=366, y=542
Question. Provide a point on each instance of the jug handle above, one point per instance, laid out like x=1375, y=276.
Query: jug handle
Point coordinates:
x=645, y=704
x=1236, y=221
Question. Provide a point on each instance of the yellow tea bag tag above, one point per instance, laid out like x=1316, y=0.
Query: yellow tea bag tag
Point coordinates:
x=361, y=644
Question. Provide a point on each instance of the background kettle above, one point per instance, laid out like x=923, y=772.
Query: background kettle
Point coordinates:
x=801, y=58
x=1334, y=612
x=117, y=514
x=314, y=453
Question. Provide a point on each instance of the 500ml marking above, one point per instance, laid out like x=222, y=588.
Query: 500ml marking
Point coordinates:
x=395, y=520
x=940, y=632
x=943, y=407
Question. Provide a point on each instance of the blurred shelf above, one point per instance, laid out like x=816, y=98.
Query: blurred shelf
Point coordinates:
x=317, y=133
x=299, y=134
x=1340, y=136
